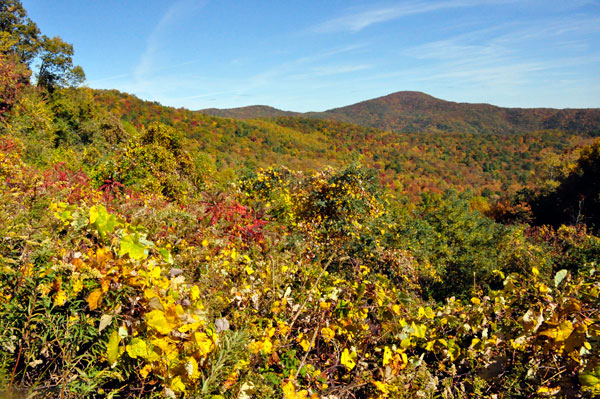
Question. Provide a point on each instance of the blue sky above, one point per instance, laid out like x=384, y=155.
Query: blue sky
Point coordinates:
x=311, y=55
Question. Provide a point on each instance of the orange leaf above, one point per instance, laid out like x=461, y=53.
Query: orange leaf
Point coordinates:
x=94, y=298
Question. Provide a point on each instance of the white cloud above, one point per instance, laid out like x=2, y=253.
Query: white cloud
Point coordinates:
x=359, y=20
x=146, y=64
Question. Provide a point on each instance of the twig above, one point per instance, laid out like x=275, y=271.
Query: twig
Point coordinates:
x=316, y=284
x=312, y=342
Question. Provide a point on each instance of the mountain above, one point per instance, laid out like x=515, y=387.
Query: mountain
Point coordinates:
x=410, y=111
x=250, y=112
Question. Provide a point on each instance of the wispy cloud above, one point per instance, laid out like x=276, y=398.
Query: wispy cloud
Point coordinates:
x=361, y=19
x=340, y=69
x=146, y=63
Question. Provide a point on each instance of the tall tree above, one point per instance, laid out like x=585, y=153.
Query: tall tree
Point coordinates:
x=22, y=42
x=19, y=35
x=56, y=65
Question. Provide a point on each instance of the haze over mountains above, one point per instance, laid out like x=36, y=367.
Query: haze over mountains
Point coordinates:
x=410, y=111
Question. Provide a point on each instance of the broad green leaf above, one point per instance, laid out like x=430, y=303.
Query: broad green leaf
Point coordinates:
x=589, y=379
x=166, y=255
x=102, y=221
x=131, y=245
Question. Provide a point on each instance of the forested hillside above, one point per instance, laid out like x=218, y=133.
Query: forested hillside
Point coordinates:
x=153, y=252
x=408, y=163
x=250, y=112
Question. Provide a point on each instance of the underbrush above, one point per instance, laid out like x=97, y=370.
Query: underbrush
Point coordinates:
x=291, y=285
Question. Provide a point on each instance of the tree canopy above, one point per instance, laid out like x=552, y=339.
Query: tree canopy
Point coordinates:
x=22, y=42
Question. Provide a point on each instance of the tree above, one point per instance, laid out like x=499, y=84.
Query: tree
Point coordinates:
x=22, y=41
x=19, y=35
x=576, y=199
x=56, y=65
x=13, y=75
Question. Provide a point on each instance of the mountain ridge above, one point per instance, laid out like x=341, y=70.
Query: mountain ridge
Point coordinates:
x=413, y=111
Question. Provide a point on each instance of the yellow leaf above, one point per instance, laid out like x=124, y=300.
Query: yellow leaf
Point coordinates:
x=155, y=273
x=419, y=330
x=204, y=343
x=112, y=349
x=267, y=346
x=348, y=359
x=429, y=313
x=77, y=286
x=382, y=387
x=475, y=301
x=161, y=343
x=561, y=332
x=327, y=334
x=190, y=327
x=60, y=298
x=289, y=390
x=543, y=288
x=94, y=298
x=249, y=270
x=305, y=345
x=548, y=391
x=145, y=371
x=191, y=367
x=387, y=356
x=156, y=319
x=177, y=385
x=137, y=348
x=195, y=293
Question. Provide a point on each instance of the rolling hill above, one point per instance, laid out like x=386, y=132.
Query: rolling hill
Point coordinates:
x=409, y=111
x=410, y=163
x=250, y=112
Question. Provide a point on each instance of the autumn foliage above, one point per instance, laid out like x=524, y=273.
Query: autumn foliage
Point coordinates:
x=153, y=252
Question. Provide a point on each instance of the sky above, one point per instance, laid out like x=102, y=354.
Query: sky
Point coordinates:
x=314, y=55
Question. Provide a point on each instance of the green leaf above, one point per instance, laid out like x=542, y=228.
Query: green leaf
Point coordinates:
x=419, y=330
x=589, y=380
x=101, y=220
x=131, y=245
x=166, y=255
x=560, y=276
